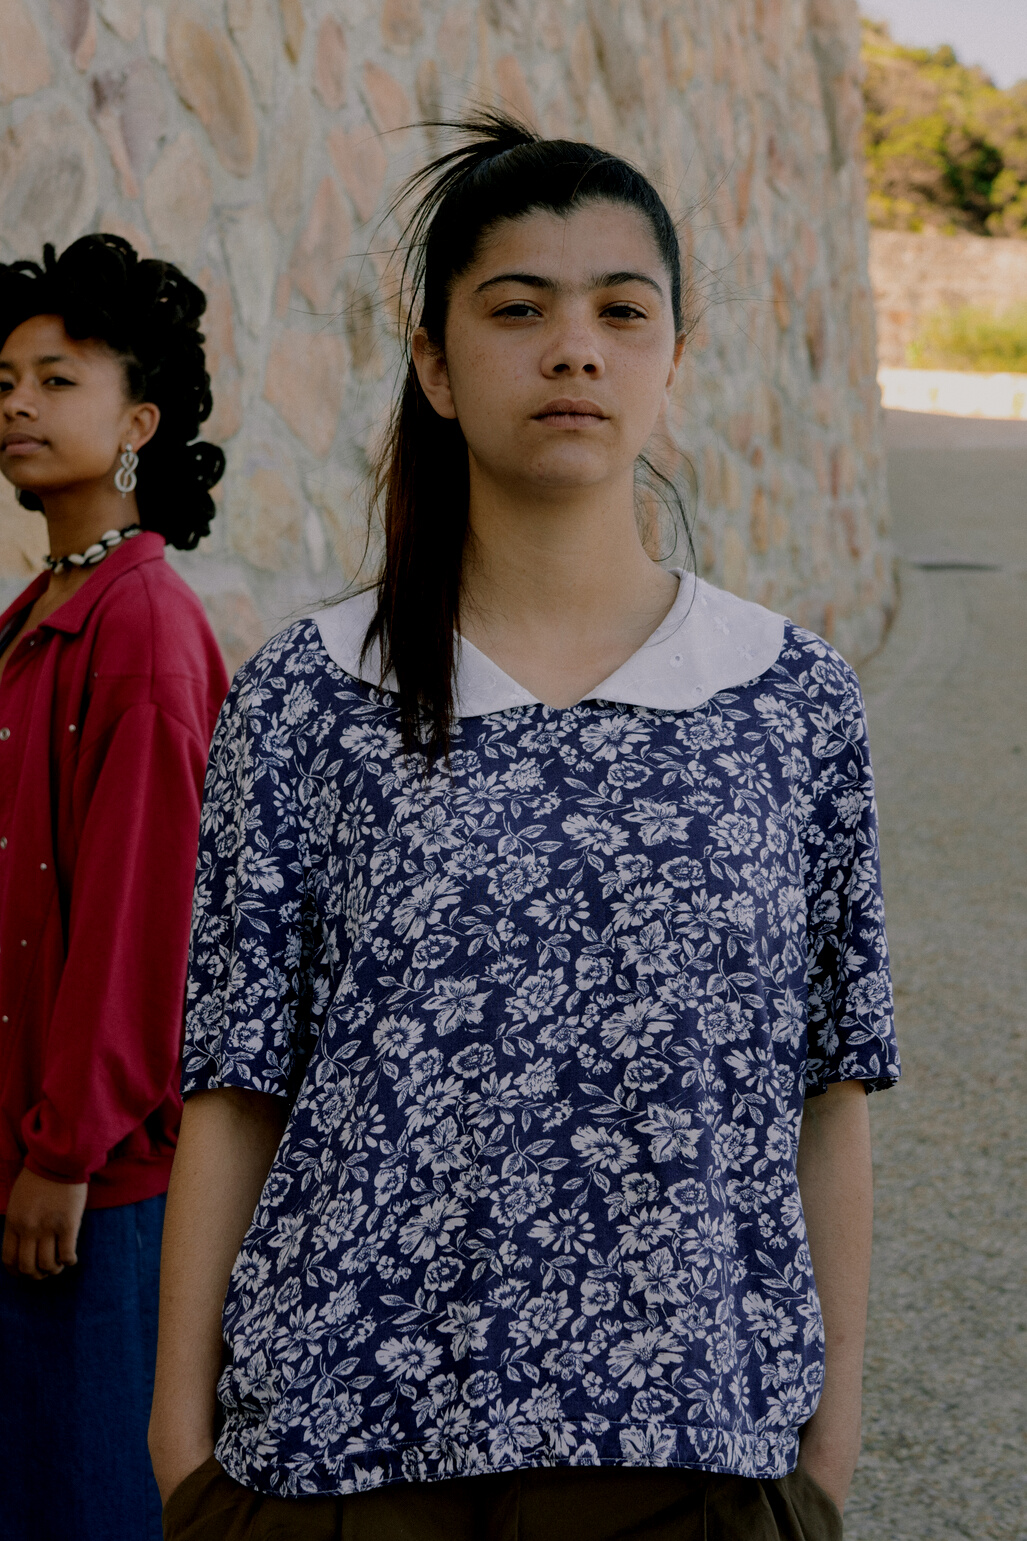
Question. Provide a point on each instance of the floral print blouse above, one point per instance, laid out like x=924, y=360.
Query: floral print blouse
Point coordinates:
x=545, y=1021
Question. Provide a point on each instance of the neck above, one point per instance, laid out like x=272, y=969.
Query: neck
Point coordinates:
x=562, y=558
x=76, y=517
x=557, y=589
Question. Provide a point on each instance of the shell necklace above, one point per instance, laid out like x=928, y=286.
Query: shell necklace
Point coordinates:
x=92, y=554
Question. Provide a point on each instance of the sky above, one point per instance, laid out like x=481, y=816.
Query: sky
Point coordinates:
x=992, y=33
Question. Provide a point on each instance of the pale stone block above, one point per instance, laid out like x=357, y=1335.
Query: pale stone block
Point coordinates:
x=105, y=114
x=113, y=224
x=76, y=22
x=23, y=538
x=549, y=26
x=236, y=622
x=209, y=77
x=140, y=96
x=617, y=59
x=265, y=520
x=454, y=37
x=361, y=163
x=366, y=353
x=340, y=501
x=24, y=61
x=581, y=64
x=125, y=17
x=177, y=197
x=759, y=523
x=293, y=27
x=154, y=27
x=402, y=24
x=316, y=265
x=678, y=50
x=734, y=564
x=254, y=27
x=387, y=101
x=251, y=254
x=314, y=540
x=512, y=90
x=428, y=89
x=222, y=360
x=305, y=383
x=331, y=64
x=285, y=179
x=605, y=131
x=48, y=181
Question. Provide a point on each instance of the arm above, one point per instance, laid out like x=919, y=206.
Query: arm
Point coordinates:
x=114, y=1037
x=836, y=1185
x=228, y=1141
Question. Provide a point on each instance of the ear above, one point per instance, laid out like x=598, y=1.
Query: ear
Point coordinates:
x=143, y=422
x=679, y=348
x=430, y=363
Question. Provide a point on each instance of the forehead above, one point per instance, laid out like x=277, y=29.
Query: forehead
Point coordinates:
x=597, y=237
x=44, y=336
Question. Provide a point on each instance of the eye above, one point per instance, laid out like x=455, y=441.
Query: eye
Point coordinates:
x=518, y=310
x=623, y=311
x=58, y=380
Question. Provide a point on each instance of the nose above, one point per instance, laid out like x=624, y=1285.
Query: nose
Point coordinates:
x=19, y=402
x=573, y=351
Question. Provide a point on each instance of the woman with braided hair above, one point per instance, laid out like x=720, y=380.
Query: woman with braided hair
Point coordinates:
x=110, y=682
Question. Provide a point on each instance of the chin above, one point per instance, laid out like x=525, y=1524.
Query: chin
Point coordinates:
x=572, y=470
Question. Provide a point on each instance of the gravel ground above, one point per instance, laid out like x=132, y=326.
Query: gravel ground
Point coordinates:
x=945, y=1426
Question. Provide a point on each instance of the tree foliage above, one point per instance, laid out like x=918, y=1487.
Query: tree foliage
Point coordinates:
x=945, y=148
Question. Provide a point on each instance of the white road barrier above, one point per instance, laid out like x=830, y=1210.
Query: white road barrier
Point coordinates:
x=954, y=392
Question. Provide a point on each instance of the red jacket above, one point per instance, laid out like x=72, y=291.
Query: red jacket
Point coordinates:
x=106, y=715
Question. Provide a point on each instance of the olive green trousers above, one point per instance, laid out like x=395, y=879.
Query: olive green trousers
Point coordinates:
x=563, y=1503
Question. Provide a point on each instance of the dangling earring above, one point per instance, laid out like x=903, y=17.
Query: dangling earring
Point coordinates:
x=125, y=479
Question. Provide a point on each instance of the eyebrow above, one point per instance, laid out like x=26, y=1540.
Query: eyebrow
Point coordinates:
x=45, y=358
x=596, y=281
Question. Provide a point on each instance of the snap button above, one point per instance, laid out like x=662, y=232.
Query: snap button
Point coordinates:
x=7, y=1019
x=71, y=727
x=42, y=866
x=24, y=943
x=5, y=732
x=3, y=842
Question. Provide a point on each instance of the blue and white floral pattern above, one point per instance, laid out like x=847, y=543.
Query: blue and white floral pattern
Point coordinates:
x=546, y=1022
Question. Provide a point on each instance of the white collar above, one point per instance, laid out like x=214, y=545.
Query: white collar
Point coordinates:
x=709, y=641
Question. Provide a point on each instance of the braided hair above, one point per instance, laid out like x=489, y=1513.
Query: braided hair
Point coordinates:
x=148, y=313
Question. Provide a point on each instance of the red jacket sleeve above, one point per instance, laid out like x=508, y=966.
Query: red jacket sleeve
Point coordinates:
x=115, y=1034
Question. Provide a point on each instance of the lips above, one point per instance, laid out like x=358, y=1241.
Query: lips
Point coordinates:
x=19, y=443
x=566, y=409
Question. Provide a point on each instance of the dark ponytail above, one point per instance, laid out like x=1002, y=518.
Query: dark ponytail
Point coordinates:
x=420, y=488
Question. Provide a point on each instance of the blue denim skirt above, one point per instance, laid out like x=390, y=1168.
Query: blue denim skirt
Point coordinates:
x=76, y=1379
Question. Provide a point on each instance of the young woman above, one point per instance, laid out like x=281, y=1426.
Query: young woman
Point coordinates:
x=110, y=686
x=538, y=971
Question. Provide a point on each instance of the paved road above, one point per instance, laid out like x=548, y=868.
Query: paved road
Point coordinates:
x=945, y=1449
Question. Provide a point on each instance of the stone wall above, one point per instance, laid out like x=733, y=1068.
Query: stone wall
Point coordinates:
x=256, y=142
x=915, y=275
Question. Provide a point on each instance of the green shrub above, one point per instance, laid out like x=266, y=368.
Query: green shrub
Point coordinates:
x=972, y=338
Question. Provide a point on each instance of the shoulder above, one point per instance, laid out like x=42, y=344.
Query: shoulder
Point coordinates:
x=150, y=620
x=817, y=668
x=151, y=644
x=294, y=680
x=811, y=696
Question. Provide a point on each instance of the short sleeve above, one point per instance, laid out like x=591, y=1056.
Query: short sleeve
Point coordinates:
x=851, y=1021
x=252, y=964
